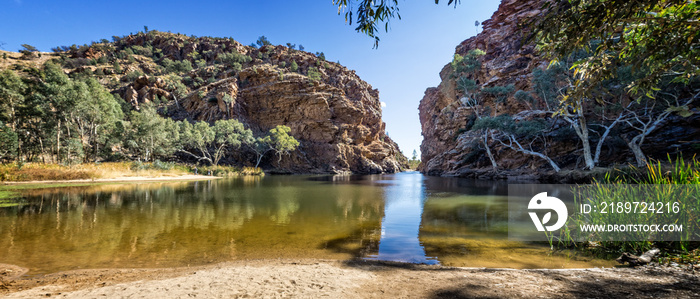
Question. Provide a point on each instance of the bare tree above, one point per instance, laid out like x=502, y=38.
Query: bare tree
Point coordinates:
x=649, y=116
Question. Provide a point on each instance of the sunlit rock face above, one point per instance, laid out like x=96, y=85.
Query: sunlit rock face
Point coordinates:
x=337, y=119
x=336, y=116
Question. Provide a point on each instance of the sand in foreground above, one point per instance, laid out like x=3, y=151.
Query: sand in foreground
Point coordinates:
x=355, y=279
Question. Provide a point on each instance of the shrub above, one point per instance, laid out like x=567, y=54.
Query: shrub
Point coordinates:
x=176, y=66
x=499, y=92
x=313, y=74
x=117, y=68
x=294, y=66
x=145, y=51
x=262, y=41
x=131, y=76
x=233, y=57
x=76, y=62
x=468, y=63
x=523, y=96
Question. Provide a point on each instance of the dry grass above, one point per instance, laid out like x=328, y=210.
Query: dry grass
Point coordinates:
x=55, y=172
x=15, y=58
x=51, y=172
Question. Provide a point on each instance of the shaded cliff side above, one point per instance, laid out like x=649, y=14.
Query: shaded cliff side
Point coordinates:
x=334, y=114
x=451, y=148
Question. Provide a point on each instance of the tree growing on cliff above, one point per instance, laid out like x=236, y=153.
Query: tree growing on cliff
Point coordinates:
x=277, y=140
x=648, y=115
x=463, y=67
x=262, y=41
x=28, y=51
x=509, y=133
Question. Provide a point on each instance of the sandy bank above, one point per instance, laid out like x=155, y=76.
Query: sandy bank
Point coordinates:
x=338, y=279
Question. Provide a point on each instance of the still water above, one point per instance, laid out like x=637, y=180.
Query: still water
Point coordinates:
x=401, y=217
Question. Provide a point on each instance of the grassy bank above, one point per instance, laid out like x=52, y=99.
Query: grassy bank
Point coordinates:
x=23, y=172
x=657, y=184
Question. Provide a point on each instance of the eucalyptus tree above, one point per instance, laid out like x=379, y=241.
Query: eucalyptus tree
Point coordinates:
x=12, y=91
x=659, y=37
x=148, y=135
x=9, y=141
x=214, y=142
x=95, y=114
x=277, y=140
x=370, y=14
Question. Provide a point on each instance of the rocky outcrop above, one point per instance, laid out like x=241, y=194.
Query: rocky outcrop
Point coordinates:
x=450, y=148
x=335, y=115
x=144, y=90
x=337, y=119
x=446, y=147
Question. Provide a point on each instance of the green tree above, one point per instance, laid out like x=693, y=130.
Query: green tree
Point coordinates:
x=9, y=141
x=96, y=113
x=294, y=66
x=213, y=142
x=263, y=41
x=277, y=140
x=150, y=136
x=28, y=51
x=313, y=74
x=371, y=14
x=659, y=37
x=12, y=91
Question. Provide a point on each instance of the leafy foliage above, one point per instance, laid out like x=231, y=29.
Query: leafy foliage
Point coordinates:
x=278, y=140
x=657, y=36
x=370, y=14
x=468, y=63
x=213, y=142
x=263, y=41
x=313, y=74
x=150, y=136
x=9, y=141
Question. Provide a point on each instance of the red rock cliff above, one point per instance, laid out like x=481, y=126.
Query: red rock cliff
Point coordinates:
x=507, y=61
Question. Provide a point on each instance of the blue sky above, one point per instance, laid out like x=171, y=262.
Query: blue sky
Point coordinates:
x=408, y=60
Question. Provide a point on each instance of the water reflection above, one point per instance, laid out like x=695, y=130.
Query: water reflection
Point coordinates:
x=402, y=220
x=404, y=217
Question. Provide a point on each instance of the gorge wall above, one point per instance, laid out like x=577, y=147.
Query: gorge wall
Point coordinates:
x=450, y=148
x=335, y=115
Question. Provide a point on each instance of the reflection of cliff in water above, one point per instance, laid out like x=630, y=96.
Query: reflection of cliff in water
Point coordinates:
x=154, y=225
x=465, y=223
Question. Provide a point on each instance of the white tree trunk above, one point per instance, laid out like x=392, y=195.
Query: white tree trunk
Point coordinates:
x=488, y=151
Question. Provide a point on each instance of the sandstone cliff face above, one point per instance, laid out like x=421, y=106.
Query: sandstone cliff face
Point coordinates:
x=334, y=114
x=337, y=119
x=507, y=61
x=448, y=146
